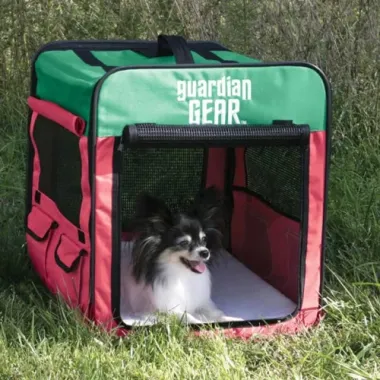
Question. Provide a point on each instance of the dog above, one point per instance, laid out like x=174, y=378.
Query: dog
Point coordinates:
x=171, y=255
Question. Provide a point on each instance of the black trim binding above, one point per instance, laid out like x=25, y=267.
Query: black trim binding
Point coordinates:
x=53, y=226
x=305, y=164
x=230, y=163
x=116, y=232
x=62, y=265
x=91, y=145
x=327, y=174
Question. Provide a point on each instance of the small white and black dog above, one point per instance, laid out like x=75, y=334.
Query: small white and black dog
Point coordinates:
x=171, y=255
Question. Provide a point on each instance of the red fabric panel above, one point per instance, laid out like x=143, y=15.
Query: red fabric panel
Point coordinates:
x=266, y=242
x=216, y=166
x=240, y=174
x=103, y=222
x=304, y=319
x=85, y=184
x=67, y=251
x=39, y=223
x=59, y=115
x=41, y=253
x=36, y=160
x=72, y=286
x=315, y=220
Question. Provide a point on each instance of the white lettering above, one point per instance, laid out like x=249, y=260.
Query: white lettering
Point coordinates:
x=247, y=89
x=214, y=101
x=202, y=89
x=220, y=111
x=206, y=110
x=181, y=90
x=194, y=111
x=233, y=110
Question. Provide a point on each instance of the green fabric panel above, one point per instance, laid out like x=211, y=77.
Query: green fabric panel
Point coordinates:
x=155, y=95
x=63, y=78
x=232, y=56
x=130, y=58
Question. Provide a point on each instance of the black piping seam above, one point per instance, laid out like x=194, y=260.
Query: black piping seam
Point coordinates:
x=116, y=230
x=204, y=168
x=325, y=197
x=112, y=45
x=229, y=178
x=246, y=190
x=37, y=197
x=62, y=265
x=87, y=57
x=305, y=164
x=93, y=125
x=53, y=226
x=91, y=146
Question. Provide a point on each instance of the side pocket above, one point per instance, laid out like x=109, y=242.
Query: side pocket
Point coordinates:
x=64, y=269
x=40, y=228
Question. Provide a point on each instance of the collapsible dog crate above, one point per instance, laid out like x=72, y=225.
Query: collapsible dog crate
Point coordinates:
x=110, y=119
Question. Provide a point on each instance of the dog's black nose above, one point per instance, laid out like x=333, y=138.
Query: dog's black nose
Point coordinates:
x=205, y=254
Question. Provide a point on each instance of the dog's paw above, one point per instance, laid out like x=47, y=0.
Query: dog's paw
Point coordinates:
x=187, y=318
x=210, y=313
x=226, y=318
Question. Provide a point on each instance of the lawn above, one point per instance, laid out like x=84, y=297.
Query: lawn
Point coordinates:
x=41, y=339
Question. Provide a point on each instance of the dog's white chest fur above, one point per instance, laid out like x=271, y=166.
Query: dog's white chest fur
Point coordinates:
x=181, y=289
x=177, y=290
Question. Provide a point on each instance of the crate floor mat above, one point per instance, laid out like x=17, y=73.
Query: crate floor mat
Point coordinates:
x=236, y=290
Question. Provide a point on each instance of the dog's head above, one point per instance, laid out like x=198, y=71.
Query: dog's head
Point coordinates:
x=191, y=239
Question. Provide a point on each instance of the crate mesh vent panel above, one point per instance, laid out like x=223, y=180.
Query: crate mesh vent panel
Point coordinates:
x=275, y=174
x=60, y=161
x=172, y=174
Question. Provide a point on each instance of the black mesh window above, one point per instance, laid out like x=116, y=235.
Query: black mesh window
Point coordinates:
x=60, y=161
x=275, y=174
x=175, y=175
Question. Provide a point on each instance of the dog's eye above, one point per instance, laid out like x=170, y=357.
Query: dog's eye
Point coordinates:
x=184, y=243
x=204, y=240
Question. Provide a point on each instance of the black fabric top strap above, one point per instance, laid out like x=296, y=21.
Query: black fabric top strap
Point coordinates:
x=207, y=54
x=87, y=57
x=174, y=45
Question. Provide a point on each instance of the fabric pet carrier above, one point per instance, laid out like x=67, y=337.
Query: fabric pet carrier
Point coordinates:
x=110, y=119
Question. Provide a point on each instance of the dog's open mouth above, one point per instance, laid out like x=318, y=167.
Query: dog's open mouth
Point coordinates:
x=195, y=266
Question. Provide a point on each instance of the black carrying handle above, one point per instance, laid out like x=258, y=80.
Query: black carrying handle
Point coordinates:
x=174, y=45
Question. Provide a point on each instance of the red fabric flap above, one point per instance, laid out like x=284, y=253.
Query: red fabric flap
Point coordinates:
x=67, y=253
x=39, y=223
x=52, y=111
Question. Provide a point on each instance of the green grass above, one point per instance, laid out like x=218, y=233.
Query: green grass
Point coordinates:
x=40, y=338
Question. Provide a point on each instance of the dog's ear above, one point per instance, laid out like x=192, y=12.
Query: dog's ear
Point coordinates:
x=209, y=208
x=152, y=212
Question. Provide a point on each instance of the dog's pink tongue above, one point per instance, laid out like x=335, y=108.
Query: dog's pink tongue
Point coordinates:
x=199, y=266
